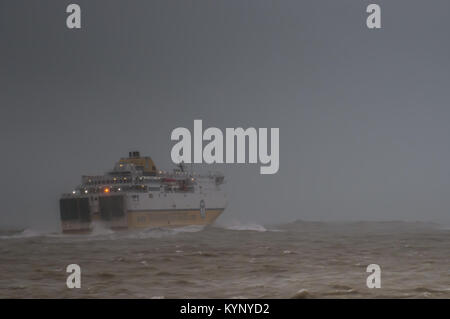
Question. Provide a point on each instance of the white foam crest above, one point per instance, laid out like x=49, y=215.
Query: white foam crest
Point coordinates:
x=235, y=225
x=27, y=233
x=189, y=229
x=99, y=229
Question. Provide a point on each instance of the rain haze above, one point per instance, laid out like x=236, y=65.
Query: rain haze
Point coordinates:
x=363, y=114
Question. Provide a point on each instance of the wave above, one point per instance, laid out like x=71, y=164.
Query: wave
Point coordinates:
x=26, y=233
x=162, y=232
x=240, y=226
x=302, y=294
x=101, y=232
x=431, y=290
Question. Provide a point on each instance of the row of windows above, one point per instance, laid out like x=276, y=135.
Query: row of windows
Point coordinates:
x=110, y=181
x=107, y=189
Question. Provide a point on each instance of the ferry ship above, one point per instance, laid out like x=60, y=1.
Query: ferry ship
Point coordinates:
x=136, y=195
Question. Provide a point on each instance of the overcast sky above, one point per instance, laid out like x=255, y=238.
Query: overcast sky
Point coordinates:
x=363, y=114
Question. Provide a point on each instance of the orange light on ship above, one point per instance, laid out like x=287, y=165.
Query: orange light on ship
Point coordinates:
x=106, y=190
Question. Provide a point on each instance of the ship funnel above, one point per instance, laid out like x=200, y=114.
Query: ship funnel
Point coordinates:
x=144, y=164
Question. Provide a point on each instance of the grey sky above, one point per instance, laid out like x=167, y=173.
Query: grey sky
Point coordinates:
x=363, y=115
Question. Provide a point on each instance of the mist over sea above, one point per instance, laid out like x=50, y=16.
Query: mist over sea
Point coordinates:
x=296, y=260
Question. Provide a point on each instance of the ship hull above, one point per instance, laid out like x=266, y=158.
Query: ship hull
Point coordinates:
x=147, y=219
x=171, y=218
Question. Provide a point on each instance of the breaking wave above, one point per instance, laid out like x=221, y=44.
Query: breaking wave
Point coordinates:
x=99, y=230
x=162, y=232
x=26, y=233
x=242, y=226
x=302, y=294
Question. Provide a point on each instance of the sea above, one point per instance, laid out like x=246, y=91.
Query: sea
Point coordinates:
x=295, y=260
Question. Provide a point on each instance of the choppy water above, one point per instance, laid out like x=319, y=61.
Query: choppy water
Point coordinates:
x=302, y=259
